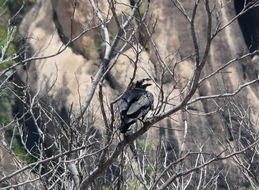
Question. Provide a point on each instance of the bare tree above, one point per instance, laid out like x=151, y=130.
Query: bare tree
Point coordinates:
x=70, y=149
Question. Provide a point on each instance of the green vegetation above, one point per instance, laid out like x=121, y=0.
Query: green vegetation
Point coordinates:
x=251, y=188
x=146, y=146
x=13, y=138
x=9, y=9
x=4, y=38
x=11, y=134
x=106, y=188
x=134, y=184
x=5, y=95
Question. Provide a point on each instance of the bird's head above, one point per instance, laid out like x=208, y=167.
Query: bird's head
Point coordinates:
x=143, y=84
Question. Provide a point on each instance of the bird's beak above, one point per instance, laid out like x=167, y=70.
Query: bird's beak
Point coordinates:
x=146, y=85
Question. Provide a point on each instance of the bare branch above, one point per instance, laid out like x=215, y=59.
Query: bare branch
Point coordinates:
x=43, y=161
x=217, y=158
x=224, y=95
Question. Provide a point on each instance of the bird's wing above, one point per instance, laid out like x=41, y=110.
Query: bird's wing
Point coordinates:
x=136, y=109
x=122, y=105
x=125, y=102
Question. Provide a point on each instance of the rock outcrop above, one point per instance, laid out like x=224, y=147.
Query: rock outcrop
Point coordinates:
x=66, y=72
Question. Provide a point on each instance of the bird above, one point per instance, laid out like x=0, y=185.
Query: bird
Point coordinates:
x=135, y=104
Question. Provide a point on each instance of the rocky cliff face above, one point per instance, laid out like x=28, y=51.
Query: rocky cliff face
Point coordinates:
x=65, y=77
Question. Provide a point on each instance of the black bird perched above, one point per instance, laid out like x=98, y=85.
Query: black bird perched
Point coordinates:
x=135, y=104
